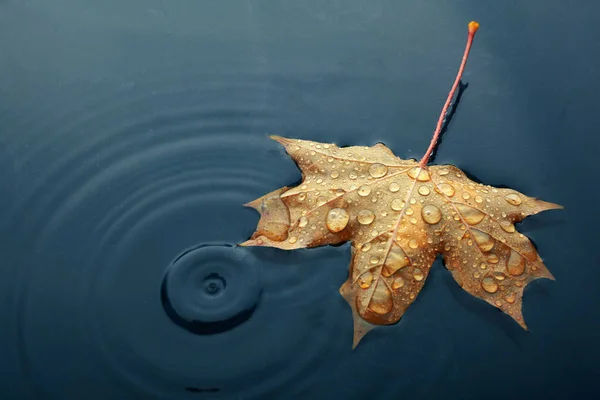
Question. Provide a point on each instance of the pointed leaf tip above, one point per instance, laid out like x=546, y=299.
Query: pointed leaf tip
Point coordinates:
x=252, y=242
x=553, y=206
x=361, y=328
x=280, y=139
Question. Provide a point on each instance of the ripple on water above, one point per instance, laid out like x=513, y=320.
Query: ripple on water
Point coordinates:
x=126, y=259
x=206, y=293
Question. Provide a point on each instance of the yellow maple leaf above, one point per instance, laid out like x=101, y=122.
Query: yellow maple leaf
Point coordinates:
x=399, y=215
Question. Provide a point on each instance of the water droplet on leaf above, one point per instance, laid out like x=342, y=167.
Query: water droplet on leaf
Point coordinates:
x=365, y=217
x=397, y=204
x=377, y=170
x=489, y=284
x=364, y=190
x=337, y=219
x=513, y=199
x=419, y=173
x=365, y=280
x=431, y=214
x=446, y=189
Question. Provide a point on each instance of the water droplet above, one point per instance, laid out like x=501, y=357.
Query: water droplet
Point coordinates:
x=431, y=214
x=489, y=284
x=319, y=180
x=424, y=190
x=334, y=174
x=398, y=283
x=337, y=219
x=498, y=303
x=365, y=280
x=374, y=260
x=507, y=226
x=302, y=222
x=418, y=274
x=366, y=247
x=478, y=199
x=394, y=187
x=510, y=297
x=364, y=190
x=515, y=264
x=413, y=244
x=411, y=296
x=293, y=239
x=365, y=217
x=301, y=197
x=377, y=170
x=466, y=195
x=374, y=233
x=443, y=172
x=397, y=204
x=485, y=241
x=446, y=189
x=513, y=198
x=412, y=201
x=321, y=201
x=304, y=187
x=395, y=260
x=381, y=302
x=409, y=211
x=483, y=265
x=476, y=275
x=413, y=220
x=419, y=173
x=499, y=276
x=352, y=175
x=471, y=215
x=493, y=259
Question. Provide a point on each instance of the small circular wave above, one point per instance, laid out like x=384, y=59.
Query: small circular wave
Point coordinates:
x=206, y=291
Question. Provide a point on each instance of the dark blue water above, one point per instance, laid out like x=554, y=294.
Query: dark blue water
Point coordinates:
x=131, y=133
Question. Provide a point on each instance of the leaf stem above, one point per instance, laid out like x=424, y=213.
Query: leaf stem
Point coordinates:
x=473, y=26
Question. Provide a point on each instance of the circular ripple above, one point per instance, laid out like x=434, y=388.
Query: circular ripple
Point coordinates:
x=114, y=197
x=207, y=292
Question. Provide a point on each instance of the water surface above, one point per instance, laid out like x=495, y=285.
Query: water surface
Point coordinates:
x=133, y=131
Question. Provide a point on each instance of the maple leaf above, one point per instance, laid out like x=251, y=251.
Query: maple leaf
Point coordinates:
x=399, y=216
